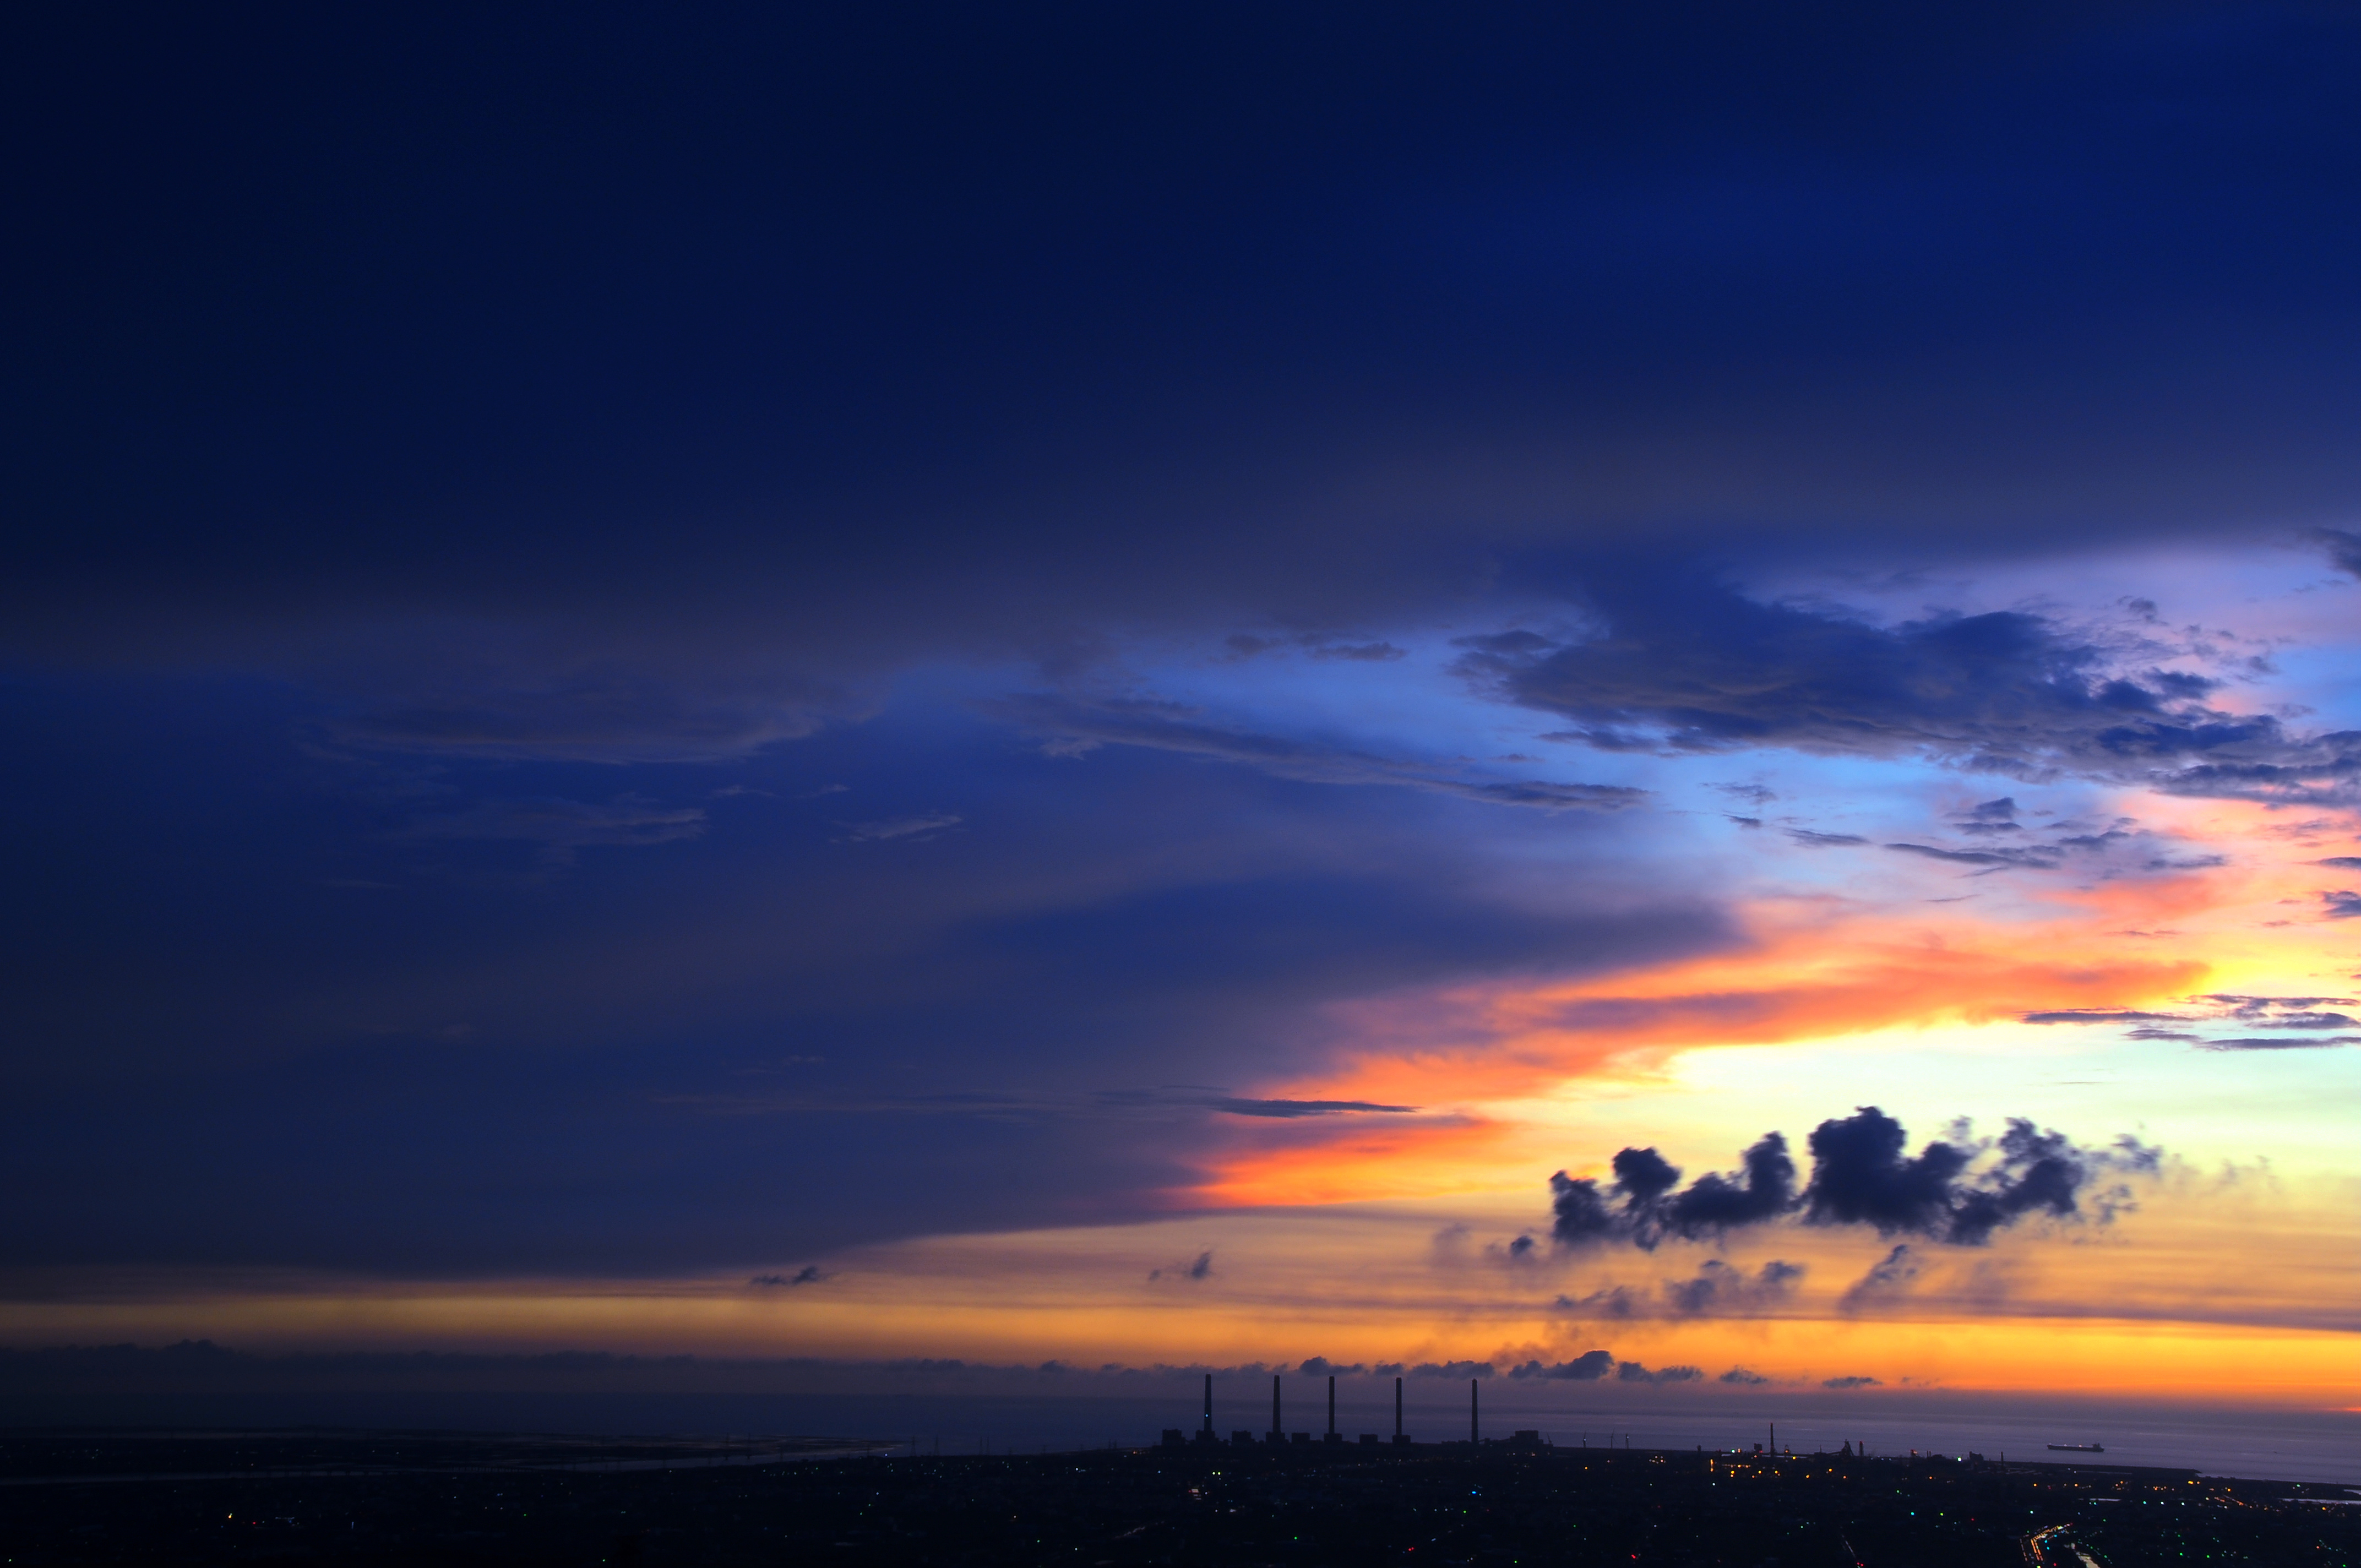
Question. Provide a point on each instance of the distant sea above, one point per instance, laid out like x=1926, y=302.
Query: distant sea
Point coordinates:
x=2318, y=1446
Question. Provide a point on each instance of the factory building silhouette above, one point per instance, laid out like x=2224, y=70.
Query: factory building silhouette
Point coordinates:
x=1277, y=1436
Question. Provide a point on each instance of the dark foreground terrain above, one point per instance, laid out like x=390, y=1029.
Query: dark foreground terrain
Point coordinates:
x=425, y=1497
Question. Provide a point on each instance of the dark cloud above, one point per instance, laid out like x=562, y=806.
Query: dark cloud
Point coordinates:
x=1861, y=1176
x=2343, y=548
x=1642, y=1177
x=1690, y=664
x=1855, y=1381
x=2342, y=905
x=1200, y=1267
x=1763, y=1189
x=1580, y=1216
x=809, y=1274
x=1719, y=1288
x=1742, y=1375
x=1632, y=1372
x=1588, y=1367
x=1321, y=1367
x=1956, y=1192
x=1817, y=840
x=1452, y=1369
x=2347, y=862
x=1612, y=1302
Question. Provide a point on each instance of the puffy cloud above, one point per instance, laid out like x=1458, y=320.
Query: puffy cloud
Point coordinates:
x=1956, y=1192
x=1588, y=1367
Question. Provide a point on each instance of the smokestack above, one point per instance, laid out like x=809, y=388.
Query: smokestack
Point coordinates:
x=1398, y=1431
x=1472, y=1436
x=1209, y=1407
x=1332, y=1404
x=1276, y=1435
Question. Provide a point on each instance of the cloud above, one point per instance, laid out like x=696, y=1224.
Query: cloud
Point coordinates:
x=2102, y=1016
x=1245, y=645
x=1289, y=1109
x=563, y=827
x=809, y=1274
x=1855, y=1381
x=1956, y=1192
x=1714, y=1203
x=1810, y=840
x=2296, y=1015
x=510, y=695
x=1321, y=1367
x=1991, y=816
x=1588, y=1367
x=1860, y=1176
x=1687, y=663
x=1175, y=726
x=2346, y=863
x=2344, y=549
x=919, y=828
x=1201, y=1268
x=1452, y=1369
x=1742, y=1375
x=1614, y=1301
x=2264, y=1043
x=1888, y=1280
x=2342, y=905
x=2039, y=859
x=1720, y=1289
x=1632, y=1372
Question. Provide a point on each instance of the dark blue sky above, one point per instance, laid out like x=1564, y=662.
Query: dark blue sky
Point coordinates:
x=533, y=535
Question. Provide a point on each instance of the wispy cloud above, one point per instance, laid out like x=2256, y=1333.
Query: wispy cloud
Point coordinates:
x=1069, y=726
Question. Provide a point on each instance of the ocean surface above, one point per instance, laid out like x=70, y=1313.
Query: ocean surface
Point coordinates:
x=2297, y=1445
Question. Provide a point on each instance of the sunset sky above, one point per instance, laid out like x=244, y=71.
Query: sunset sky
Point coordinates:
x=1192, y=685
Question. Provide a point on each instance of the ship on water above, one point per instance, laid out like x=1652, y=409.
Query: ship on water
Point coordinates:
x=2078, y=1448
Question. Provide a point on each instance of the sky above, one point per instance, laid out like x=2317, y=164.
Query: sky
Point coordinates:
x=1659, y=694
